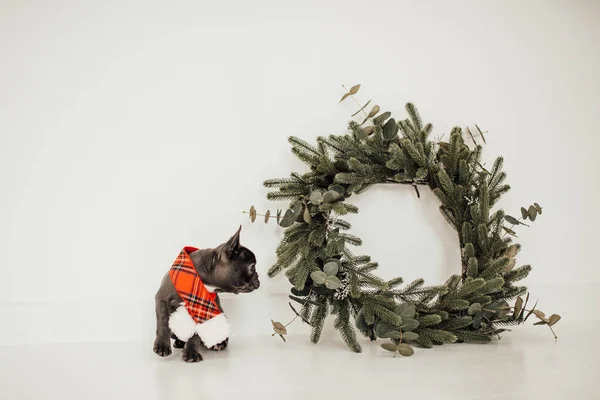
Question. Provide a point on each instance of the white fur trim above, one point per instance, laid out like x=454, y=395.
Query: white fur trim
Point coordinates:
x=212, y=332
x=182, y=323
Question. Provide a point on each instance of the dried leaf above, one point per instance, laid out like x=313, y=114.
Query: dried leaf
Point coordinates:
x=354, y=89
x=511, y=264
x=470, y=134
x=362, y=108
x=512, y=250
x=532, y=213
x=539, y=314
x=518, y=307
x=344, y=97
x=524, y=213
x=405, y=350
x=553, y=319
x=481, y=133
x=253, y=216
x=282, y=338
x=540, y=323
x=389, y=347
x=510, y=231
x=373, y=111
x=267, y=216
x=369, y=130
x=307, y=216
x=279, y=328
x=530, y=312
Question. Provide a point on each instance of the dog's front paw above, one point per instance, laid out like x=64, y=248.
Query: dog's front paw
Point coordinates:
x=162, y=348
x=220, y=346
x=191, y=356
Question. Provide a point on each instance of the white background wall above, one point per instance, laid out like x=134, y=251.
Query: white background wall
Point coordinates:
x=131, y=129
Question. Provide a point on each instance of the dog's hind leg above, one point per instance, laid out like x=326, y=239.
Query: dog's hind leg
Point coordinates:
x=178, y=344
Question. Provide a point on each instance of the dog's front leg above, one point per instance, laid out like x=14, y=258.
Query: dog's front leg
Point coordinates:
x=162, y=344
x=190, y=351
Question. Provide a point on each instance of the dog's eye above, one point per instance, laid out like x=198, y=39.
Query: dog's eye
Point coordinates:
x=252, y=269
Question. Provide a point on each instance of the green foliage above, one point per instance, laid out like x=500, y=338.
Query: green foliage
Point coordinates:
x=314, y=251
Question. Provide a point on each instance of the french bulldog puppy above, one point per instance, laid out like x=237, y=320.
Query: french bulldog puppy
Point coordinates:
x=229, y=268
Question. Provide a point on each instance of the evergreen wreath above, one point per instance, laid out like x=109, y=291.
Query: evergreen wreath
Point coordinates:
x=327, y=277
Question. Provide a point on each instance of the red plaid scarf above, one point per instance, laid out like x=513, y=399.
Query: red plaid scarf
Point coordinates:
x=199, y=302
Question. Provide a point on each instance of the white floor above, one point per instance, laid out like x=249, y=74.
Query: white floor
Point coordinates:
x=526, y=364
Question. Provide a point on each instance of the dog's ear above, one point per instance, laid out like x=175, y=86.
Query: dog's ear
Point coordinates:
x=233, y=244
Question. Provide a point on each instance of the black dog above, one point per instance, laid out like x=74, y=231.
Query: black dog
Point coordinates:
x=229, y=268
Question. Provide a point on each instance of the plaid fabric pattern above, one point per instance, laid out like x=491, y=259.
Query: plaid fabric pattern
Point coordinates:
x=199, y=302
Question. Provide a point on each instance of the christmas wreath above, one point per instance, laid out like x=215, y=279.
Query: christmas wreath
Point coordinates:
x=327, y=277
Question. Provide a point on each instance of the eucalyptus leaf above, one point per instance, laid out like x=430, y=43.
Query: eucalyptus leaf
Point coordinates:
x=408, y=336
x=297, y=207
x=390, y=129
x=396, y=335
x=318, y=277
x=405, y=350
x=330, y=196
x=337, y=188
x=477, y=320
x=389, y=347
x=382, y=118
x=512, y=220
x=304, y=292
x=406, y=311
x=474, y=308
x=538, y=208
x=332, y=282
x=382, y=329
x=524, y=213
x=267, y=216
x=509, y=231
x=409, y=325
x=331, y=268
x=316, y=197
x=542, y=322
x=288, y=219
